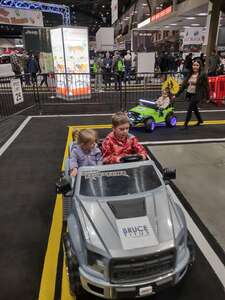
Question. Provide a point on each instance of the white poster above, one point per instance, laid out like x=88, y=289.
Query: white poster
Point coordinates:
x=17, y=91
x=58, y=61
x=23, y=17
x=77, y=61
x=136, y=233
x=145, y=62
x=114, y=10
x=71, y=59
x=193, y=36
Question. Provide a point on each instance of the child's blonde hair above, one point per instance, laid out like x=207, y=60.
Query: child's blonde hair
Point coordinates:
x=86, y=135
x=119, y=118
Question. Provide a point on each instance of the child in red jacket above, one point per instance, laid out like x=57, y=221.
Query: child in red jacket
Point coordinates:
x=119, y=142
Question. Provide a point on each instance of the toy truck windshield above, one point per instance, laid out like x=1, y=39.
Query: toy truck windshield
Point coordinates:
x=112, y=183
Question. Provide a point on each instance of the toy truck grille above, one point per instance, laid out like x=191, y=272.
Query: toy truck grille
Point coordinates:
x=141, y=268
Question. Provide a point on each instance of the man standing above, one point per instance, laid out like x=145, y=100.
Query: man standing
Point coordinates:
x=118, y=69
x=214, y=63
x=107, y=63
x=127, y=65
x=33, y=67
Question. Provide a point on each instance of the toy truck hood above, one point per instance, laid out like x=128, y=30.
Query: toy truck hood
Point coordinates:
x=135, y=226
x=142, y=110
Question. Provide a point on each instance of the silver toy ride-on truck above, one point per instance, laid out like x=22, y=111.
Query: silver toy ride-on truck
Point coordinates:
x=126, y=237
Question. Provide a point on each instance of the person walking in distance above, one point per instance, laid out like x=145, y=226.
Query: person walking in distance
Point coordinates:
x=197, y=88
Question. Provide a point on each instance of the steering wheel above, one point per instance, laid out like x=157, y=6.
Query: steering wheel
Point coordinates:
x=131, y=158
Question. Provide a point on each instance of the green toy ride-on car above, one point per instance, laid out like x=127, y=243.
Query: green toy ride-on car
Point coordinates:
x=147, y=113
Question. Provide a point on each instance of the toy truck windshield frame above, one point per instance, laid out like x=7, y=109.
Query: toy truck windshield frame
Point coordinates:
x=121, y=182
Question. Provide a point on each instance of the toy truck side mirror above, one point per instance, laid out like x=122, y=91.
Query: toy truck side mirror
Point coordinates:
x=169, y=174
x=63, y=186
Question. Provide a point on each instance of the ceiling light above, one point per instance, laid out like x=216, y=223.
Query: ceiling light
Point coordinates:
x=202, y=14
x=167, y=26
x=173, y=24
x=195, y=24
x=190, y=18
x=186, y=26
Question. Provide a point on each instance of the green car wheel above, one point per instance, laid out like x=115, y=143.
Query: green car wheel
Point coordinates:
x=150, y=125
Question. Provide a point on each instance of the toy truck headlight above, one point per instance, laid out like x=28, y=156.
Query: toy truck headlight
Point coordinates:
x=96, y=261
x=181, y=243
x=90, y=233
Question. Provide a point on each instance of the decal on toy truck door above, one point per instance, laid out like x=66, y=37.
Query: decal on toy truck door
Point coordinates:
x=136, y=233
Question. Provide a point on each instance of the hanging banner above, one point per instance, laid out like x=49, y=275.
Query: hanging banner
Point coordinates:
x=17, y=91
x=193, y=36
x=23, y=17
x=114, y=10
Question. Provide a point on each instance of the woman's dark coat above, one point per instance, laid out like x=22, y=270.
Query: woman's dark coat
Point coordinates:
x=202, y=88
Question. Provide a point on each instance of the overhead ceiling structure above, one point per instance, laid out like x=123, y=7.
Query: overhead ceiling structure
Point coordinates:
x=186, y=16
x=90, y=13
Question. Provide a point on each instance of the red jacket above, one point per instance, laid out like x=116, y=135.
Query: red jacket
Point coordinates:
x=113, y=149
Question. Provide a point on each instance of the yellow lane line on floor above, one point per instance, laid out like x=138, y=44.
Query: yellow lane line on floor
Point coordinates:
x=65, y=294
x=107, y=126
x=48, y=278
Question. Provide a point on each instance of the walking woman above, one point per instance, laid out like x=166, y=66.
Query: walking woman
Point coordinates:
x=197, y=89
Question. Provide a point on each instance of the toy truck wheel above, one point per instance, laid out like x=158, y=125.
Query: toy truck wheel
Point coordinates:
x=72, y=269
x=150, y=125
x=171, y=120
x=191, y=247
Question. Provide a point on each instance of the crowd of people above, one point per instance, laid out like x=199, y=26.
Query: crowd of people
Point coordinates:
x=28, y=65
x=117, y=65
x=166, y=63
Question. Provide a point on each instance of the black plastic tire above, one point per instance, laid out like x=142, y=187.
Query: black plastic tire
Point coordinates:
x=169, y=118
x=149, y=125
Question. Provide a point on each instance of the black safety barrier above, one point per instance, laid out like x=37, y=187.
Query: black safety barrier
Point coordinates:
x=16, y=100
x=84, y=93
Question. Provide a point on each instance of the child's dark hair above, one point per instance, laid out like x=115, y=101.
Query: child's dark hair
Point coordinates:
x=120, y=118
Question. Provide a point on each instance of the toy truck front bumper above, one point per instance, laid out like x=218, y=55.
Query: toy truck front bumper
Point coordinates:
x=108, y=290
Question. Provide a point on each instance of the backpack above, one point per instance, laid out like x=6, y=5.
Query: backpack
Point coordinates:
x=119, y=65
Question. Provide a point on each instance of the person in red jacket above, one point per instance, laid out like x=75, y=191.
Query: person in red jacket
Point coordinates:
x=120, y=142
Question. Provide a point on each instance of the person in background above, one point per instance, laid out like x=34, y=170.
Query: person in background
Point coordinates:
x=127, y=65
x=24, y=61
x=214, y=63
x=202, y=58
x=120, y=143
x=14, y=60
x=107, y=65
x=97, y=68
x=197, y=88
x=187, y=64
x=118, y=69
x=163, y=62
x=33, y=67
x=86, y=152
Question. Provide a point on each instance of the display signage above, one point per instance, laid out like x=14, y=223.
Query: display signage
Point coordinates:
x=193, y=36
x=136, y=233
x=23, y=17
x=17, y=91
x=161, y=14
x=144, y=23
x=71, y=59
x=114, y=10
